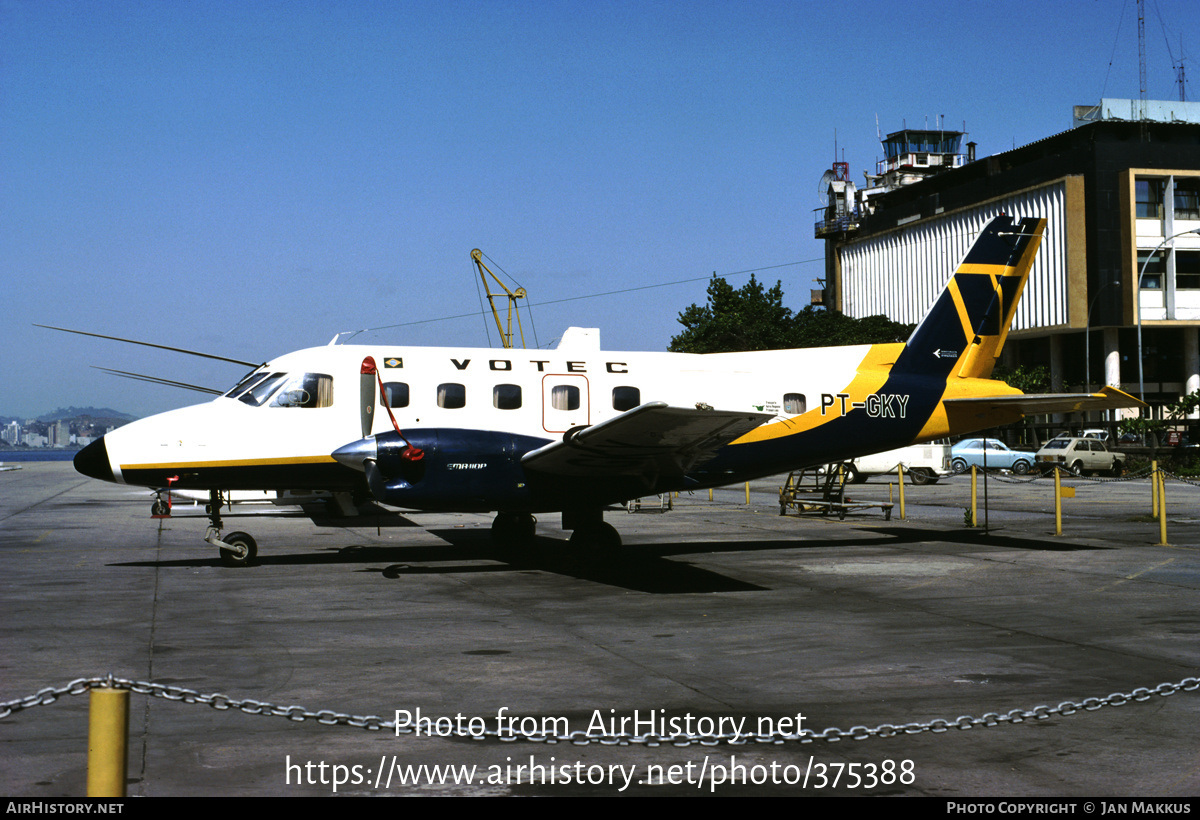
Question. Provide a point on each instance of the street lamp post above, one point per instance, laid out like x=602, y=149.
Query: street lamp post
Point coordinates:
x=1161, y=245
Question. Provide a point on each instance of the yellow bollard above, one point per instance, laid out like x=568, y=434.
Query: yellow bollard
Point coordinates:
x=974, y=496
x=890, y=485
x=747, y=492
x=1162, y=509
x=1057, y=501
x=900, y=473
x=1154, y=488
x=108, y=732
x=710, y=493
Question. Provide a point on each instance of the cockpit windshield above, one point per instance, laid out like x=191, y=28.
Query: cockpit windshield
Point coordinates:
x=247, y=381
x=261, y=390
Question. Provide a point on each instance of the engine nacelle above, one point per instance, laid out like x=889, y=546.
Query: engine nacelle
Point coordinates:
x=459, y=469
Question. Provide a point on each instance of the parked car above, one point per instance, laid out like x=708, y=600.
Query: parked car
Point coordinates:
x=998, y=455
x=924, y=463
x=1080, y=456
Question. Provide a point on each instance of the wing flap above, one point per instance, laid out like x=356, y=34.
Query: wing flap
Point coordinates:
x=652, y=439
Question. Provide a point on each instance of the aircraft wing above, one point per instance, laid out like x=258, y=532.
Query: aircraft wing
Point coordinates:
x=652, y=439
x=1108, y=398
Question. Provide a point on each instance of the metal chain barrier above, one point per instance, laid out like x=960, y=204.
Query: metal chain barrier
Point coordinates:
x=1179, y=478
x=374, y=723
x=1067, y=474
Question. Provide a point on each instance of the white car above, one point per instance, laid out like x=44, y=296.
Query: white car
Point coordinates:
x=924, y=463
x=1080, y=455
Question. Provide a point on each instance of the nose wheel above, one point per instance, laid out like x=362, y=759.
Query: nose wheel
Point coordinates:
x=237, y=549
x=241, y=550
x=160, y=508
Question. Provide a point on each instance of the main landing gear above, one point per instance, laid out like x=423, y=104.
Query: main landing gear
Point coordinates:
x=513, y=529
x=589, y=529
x=588, y=526
x=238, y=549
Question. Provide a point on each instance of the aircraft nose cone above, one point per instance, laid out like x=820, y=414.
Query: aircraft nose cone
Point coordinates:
x=356, y=453
x=93, y=462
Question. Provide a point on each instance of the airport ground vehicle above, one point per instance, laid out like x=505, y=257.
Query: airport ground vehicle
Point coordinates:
x=1080, y=456
x=924, y=463
x=991, y=453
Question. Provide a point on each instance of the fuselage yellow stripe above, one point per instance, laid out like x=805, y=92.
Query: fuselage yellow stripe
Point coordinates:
x=871, y=374
x=247, y=462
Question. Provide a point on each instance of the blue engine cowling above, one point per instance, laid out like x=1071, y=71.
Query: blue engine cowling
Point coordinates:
x=460, y=470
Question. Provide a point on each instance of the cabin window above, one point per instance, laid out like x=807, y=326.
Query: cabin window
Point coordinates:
x=794, y=404
x=506, y=396
x=452, y=396
x=396, y=394
x=626, y=398
x=261, y=390
x=305, y=390
x=564, y=397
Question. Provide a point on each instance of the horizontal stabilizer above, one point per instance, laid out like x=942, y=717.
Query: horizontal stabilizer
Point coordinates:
x=651, y=440
x=1109, y=398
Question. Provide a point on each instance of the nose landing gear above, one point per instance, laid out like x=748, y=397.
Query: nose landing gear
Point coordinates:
x=237, y=549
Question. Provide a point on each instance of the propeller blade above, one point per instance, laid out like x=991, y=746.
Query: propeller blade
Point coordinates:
x=151, y=344
x=159, y=380
x=366, y=395
x=375, y=480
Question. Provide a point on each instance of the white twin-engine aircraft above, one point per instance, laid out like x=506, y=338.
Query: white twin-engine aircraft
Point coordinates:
x=576, y=429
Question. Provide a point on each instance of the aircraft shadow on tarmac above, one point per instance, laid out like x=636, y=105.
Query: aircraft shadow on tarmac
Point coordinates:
x=647, y=568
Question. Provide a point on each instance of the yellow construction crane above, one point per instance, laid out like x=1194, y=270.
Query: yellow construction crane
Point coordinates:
x=505, y=336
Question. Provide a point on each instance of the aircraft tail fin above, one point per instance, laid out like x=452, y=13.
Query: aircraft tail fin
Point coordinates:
x=964, y=332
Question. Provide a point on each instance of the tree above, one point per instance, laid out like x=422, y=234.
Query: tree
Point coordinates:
x=1033, y=379
x=754, y=318
x=751, y=318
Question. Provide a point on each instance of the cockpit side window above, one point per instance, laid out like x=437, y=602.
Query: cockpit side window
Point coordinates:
x=305, y=390
x=262, y=389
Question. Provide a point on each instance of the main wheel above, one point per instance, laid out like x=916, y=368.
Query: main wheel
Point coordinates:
x=1020, y=468
x=159, y=507
x=513, y=528
x=602, y=536
x=239, y=539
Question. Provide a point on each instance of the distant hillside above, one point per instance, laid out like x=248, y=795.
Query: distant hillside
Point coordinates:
x=76, y=412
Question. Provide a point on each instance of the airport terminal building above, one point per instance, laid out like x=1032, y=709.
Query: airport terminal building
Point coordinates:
x=1121, y=195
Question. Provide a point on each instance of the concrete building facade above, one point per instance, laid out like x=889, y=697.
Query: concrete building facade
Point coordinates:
x=1122, y=202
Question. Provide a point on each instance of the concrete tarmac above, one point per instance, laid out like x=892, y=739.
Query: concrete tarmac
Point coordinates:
x=718, y=610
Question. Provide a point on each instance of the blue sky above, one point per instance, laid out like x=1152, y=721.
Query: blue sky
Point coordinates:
x=248, y=178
